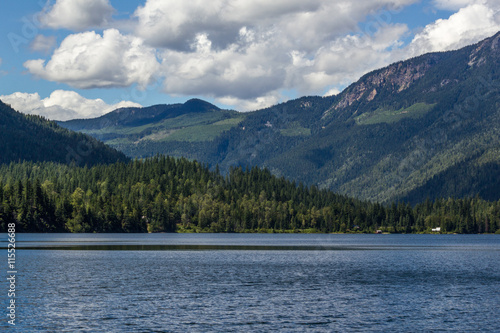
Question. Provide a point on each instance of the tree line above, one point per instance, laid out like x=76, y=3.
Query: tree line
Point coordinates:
x=165, y=194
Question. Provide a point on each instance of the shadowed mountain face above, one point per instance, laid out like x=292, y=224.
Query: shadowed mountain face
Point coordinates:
x=428, y=126
x=32, y=138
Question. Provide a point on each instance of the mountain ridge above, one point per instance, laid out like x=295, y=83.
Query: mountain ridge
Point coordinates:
x=135, y=116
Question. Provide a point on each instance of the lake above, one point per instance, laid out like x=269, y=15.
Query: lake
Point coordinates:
x=255, y=283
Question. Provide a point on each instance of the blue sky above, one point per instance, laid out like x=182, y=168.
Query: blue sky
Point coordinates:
x=82, y=58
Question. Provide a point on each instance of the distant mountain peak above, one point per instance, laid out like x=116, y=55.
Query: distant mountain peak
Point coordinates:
x=138, y=116
x=200, y=105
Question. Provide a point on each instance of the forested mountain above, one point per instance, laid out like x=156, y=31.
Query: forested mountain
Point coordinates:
x=133, y=116
x=424, y=127
x=406, y=131
x=181, y=130
x=33, y=138
x=164, y=194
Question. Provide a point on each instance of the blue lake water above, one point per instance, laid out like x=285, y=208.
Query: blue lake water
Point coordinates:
x=255, y=283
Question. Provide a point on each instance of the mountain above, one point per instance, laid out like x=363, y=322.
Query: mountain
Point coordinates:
x=132, y=117
x=176, y=129
x=424, y=127
x=32, y=138
x=407, y=131
x=401, y=128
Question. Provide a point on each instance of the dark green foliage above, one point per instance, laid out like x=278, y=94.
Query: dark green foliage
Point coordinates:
x=465, y=179
x=33, y=138
x=163, y=194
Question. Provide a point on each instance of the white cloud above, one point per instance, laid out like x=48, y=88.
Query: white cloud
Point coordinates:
x=251, y=104
x=455, y=5
x=89, y=60
x=243, y=50
x=77, y=15
x=469, y=25
x=344, y=60
x=251, y=72
x=174, y=24
x=332, y=92
x=62, y=105
x=243, y=71
x=43, y=43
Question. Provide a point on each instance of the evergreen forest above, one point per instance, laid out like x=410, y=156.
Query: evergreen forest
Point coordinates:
x=165, y=194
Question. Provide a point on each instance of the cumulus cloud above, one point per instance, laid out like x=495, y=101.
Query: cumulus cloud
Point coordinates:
x=332, y=92
x=62, y=105
x=252, y=104
x=241, y=71
x=89, y=60
x=246, y=51
x=469, y=25
x=250, y=73
x=43, y=44
x=344, y=60
x=174, y=24
x=77, y=15
x=455, y=5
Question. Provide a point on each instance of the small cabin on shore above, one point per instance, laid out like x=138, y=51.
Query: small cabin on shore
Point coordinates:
x=438, y=229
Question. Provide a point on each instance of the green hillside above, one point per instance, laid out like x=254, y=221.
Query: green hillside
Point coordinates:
x=143, y=132
x=415, y=111
x=32, y=138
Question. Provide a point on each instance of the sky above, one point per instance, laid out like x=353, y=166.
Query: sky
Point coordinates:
x=66, y=59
